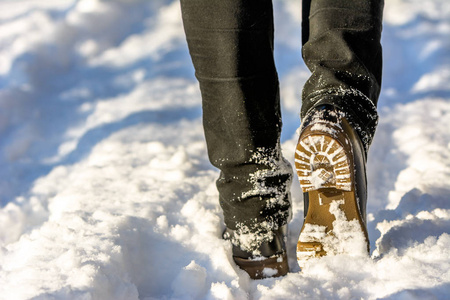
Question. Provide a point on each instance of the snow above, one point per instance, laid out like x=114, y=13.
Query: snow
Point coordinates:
x=106, y=191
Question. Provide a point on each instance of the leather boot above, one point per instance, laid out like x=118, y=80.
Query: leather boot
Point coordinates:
x=331, y=166
x=268, y=260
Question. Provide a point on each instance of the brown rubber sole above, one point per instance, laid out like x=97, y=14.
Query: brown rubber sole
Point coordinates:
x=333, y=224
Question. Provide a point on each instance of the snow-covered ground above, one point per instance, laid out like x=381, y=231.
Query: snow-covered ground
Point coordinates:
x=105, y=187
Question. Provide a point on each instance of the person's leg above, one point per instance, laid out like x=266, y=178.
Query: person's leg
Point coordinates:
x=341, y=47
x=231, y=46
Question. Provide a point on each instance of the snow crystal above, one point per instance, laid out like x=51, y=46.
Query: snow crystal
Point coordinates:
x=268, y=272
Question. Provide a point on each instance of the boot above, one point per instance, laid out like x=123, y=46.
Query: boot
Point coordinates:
x=268, y=260
x=331, y=166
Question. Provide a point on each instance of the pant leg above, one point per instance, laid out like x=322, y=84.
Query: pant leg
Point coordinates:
x=341, y=47
x=231, y=46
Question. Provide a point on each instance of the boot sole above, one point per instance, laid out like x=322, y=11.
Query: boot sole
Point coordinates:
x=333, y=224
x=275, y=266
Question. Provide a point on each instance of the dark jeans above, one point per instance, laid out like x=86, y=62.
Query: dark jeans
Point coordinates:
x=231, y=46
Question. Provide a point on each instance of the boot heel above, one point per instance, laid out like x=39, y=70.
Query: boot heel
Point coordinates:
x=321, y=162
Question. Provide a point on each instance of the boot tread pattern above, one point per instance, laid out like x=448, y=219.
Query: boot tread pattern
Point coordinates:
x=321, y=162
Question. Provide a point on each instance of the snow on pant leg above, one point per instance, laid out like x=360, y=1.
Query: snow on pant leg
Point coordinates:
x=341, y=47
x=231, y=46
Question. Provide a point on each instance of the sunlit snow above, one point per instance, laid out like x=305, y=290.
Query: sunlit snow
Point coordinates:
x=106, y=191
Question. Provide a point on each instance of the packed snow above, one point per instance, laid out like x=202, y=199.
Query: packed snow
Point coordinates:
x=106, y=191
